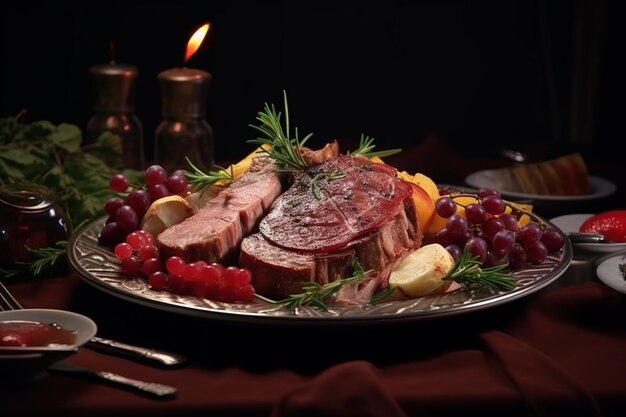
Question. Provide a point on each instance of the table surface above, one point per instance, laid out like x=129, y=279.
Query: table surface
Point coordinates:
x=560, y=351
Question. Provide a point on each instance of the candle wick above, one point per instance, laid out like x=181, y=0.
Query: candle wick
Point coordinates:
x=112, y=51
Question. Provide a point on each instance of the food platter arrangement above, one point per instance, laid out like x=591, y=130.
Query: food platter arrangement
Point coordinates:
x=291, y=234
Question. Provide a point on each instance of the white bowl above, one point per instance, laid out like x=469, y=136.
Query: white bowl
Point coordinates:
x=26, y=364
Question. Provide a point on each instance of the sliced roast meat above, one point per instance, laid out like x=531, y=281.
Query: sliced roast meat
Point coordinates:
x=334, y=203
x=368, y=215
x=214, y=232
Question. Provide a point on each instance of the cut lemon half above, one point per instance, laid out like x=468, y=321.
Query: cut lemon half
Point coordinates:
x=165, y=212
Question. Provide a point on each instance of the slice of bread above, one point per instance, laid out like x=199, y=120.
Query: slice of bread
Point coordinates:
x=566, y=175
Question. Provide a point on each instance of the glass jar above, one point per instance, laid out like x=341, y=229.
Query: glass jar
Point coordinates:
x=114, y=107
x=30, y=217
x=184, y=133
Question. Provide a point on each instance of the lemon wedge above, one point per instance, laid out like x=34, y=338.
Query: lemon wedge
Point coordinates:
x=165, y=212
x=422, y=272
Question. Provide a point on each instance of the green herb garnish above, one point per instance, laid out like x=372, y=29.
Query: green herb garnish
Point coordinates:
x=285, y=150
x=622, y=269
x=329, y=176
x=46, y=258
x=468, y=272
x=317, y=295
x=366, y=147
x=202, y=180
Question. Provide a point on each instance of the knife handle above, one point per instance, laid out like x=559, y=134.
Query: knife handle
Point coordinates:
x=151, y=388
x=163, y=358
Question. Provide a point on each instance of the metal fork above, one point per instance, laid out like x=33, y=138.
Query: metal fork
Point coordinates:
x=8, y=302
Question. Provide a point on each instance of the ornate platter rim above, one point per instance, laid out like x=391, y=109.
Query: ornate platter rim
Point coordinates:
x=98, y=266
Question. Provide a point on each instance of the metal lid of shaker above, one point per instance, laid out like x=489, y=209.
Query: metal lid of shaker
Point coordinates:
x=113, y=87
x=184, y=92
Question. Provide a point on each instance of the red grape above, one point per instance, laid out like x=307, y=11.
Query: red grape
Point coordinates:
x=118, y=183
x=477, y=248
x=445, y=207
x=111, y=234
x=158, y=191
x=503, y=241
x=177, y=183
x=112, y=204
x=123, y=251
x=127, y=218
x=552, y=239
x=475, y=213
x=456, y=225
x=155, y=174
x=486, y=192
x=536, y=252
x=158, y=280
x=493, y=204
x=175, y=265
x=529, y=234
x=139, y=200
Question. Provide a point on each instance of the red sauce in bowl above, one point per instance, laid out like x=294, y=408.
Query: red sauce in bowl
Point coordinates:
x=19, y=333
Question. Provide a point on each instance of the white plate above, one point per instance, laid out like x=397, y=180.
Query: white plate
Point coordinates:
x=572, y=223
x=609, y=273
x=599, y=188
x=99, y=267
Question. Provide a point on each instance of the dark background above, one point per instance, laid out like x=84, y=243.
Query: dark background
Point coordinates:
x=480, y=75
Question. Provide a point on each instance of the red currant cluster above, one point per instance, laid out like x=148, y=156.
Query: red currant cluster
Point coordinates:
x=139, y=256
x=125, y=214
x=491, y=234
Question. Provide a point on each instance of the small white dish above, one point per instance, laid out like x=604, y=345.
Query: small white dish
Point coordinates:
x=572, y=223
x=599, y=188
x=26, y=364
x=609, y=273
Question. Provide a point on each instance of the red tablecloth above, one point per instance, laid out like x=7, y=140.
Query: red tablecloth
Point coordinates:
x=559, y=352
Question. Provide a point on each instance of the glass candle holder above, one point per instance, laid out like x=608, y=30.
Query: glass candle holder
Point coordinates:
x=114, y=111
x=184, y=133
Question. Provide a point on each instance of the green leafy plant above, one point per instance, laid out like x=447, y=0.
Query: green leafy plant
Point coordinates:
x=51, y=155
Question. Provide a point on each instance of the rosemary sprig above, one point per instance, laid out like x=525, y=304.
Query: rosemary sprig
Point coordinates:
x=45, y=257
x=201, y=180
x=383, y=294
x=366, y=147
x=286, y=151
x=330, y=176
x=468, y=272
x=315, y=294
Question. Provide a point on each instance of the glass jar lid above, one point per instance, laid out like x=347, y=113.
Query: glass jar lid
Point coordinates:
x=30, y=197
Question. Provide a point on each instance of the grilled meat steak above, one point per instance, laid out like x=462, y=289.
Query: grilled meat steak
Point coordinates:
x=363, y=212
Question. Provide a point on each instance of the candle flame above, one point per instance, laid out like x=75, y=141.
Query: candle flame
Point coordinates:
x=195, y=41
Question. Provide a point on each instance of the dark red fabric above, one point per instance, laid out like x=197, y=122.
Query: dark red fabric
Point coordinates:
x=561, y=351
x=546, y=388
x=349, y=389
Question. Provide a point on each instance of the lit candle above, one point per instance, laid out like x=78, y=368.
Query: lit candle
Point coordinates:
x=184, y=133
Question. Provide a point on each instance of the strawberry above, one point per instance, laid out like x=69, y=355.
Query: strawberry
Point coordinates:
x=611, y=224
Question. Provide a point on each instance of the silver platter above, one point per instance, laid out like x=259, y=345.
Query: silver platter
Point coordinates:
x=99, y=267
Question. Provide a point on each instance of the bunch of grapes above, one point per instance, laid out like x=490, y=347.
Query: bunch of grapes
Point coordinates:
x=125, y=214
x=491, y=234
x=139, y=256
